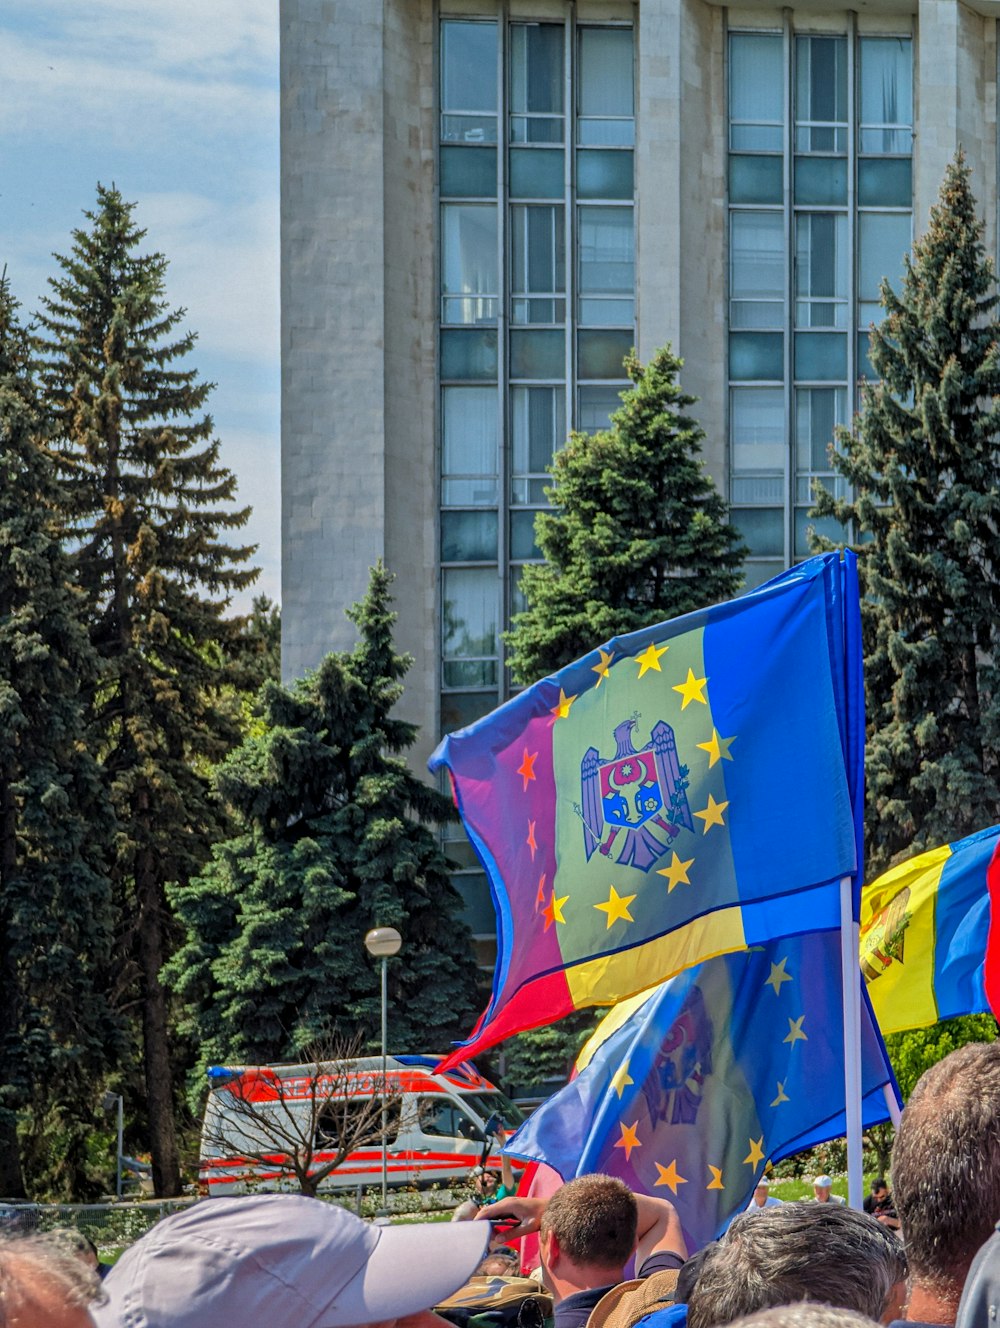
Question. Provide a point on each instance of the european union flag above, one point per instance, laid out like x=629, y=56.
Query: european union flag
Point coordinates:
x=679, y=793
x=727, y=1065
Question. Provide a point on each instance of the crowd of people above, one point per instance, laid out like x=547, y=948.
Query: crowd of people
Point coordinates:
x=926, y=1256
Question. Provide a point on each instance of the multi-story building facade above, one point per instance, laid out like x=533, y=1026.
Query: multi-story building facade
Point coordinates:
x=486, y=203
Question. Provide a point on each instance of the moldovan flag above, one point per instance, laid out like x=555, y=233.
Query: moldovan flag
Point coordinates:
x=924, y=931
x=688, y=1091
x=678, y=793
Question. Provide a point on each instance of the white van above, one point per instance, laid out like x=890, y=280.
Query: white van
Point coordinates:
x=256, y=1114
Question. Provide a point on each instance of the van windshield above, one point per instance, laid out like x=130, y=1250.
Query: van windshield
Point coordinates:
x=496, y=1103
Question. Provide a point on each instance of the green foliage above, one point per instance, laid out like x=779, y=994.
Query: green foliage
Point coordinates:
x=914, y=1051
x=333, y=838
x=56, y=1028
x=144, y=502
x=535, y=1058
x=639, y=535
x=924, y=464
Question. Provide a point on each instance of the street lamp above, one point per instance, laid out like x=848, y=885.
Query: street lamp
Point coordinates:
x=381, y=942
x=108, y=1103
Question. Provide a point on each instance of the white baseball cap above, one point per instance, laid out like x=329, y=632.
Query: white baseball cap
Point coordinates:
x=285, y=1261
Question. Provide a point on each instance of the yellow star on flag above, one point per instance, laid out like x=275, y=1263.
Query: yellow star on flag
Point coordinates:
x=712, y=815
x=676, y=873
x=562, y=708
x=669, y=1176
x=778, y=976
x=650, y=658
x=795, y=1033
x=717, y=748
x=716, y=1182
x=604, y=668
x=756, y=1153
x=621, y=1079
x=552, y=912
x=691, y=689
x=629, y=1139
x=782, y=1095
x=616, y=907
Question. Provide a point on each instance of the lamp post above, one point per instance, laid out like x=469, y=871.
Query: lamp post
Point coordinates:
x=381, y=942
x=108, y=1103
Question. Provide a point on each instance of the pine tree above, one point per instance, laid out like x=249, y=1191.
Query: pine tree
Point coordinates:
x=145, y=501
x=924, y=462
x=639, y=534
x=334, y=838
x=57, y=1033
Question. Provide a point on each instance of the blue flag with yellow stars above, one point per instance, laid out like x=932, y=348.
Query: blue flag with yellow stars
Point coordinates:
x=687, y=1092
x=684, y=791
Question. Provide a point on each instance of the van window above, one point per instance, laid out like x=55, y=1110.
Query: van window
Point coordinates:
x=361, y=1119
x=496, y=1103
x=441, y=1117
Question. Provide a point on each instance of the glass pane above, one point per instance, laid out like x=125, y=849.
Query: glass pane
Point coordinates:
x=536, y=129
x=885, y=183
x=607, y=250
x=820, y=356
x=596, y=405
x=805, y=525
x=469, y=172
x=522, y=536
x=883, y=240
x=757, y=489
x=479, y=916
x=468, y=128
x=468, y=537
x=606, y=133
x=865, y=367
x=755, y=574
x=756, y=83
x=537, y=173
x=469, y=445
x=460, y=709
x=603, y=174
x=537, y=353
x=757, y=268
x=605, y=72
x=762, y=528
x=468, y=66
x=538, y=427
x=469, y=673
x=821, y=180
x=821, y=269
x=469, y=621
x=536, y=67
x=755, y=180
x=821, y=94
x=756, y=355
x=538, y=250
x=470, y=354
x=600, y=354
x=886, y=80
x=757, y=424
x=609, y=313
x=818, y=411
x=469, y=260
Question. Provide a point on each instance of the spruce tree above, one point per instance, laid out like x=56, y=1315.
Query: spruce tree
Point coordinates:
x=924, y=463
x=146, y=503
x=334, y=837
x=57, y=1034
x=639, y=533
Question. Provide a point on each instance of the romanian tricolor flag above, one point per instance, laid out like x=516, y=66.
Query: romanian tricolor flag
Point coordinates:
x=681, y=792
x=688, y=1091
x=924, y=928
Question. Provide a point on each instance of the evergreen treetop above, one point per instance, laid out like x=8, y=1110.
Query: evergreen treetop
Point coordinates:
x=334, y=837
x=639, y=533
x=924, y=463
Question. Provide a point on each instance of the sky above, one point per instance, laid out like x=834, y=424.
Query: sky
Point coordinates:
x=176, y=103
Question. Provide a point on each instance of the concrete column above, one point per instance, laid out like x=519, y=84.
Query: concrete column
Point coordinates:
x=956, y=105
x=680, y=187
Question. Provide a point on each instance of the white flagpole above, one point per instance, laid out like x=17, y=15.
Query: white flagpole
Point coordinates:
x=895, y=1115
x=850, y=981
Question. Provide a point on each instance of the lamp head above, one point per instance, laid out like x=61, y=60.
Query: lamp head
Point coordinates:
x=383, y=941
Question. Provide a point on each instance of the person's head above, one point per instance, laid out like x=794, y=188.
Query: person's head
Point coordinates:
x=795, y=1252
x=286, y=1261
x=946, y=1167
x=500, y=1263
x=822, y=1186
x=44, y=1284
x=589, y=1227
x=880, y=1190
x=487, y=1182
x=761, y=1192
x=805, y=1315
